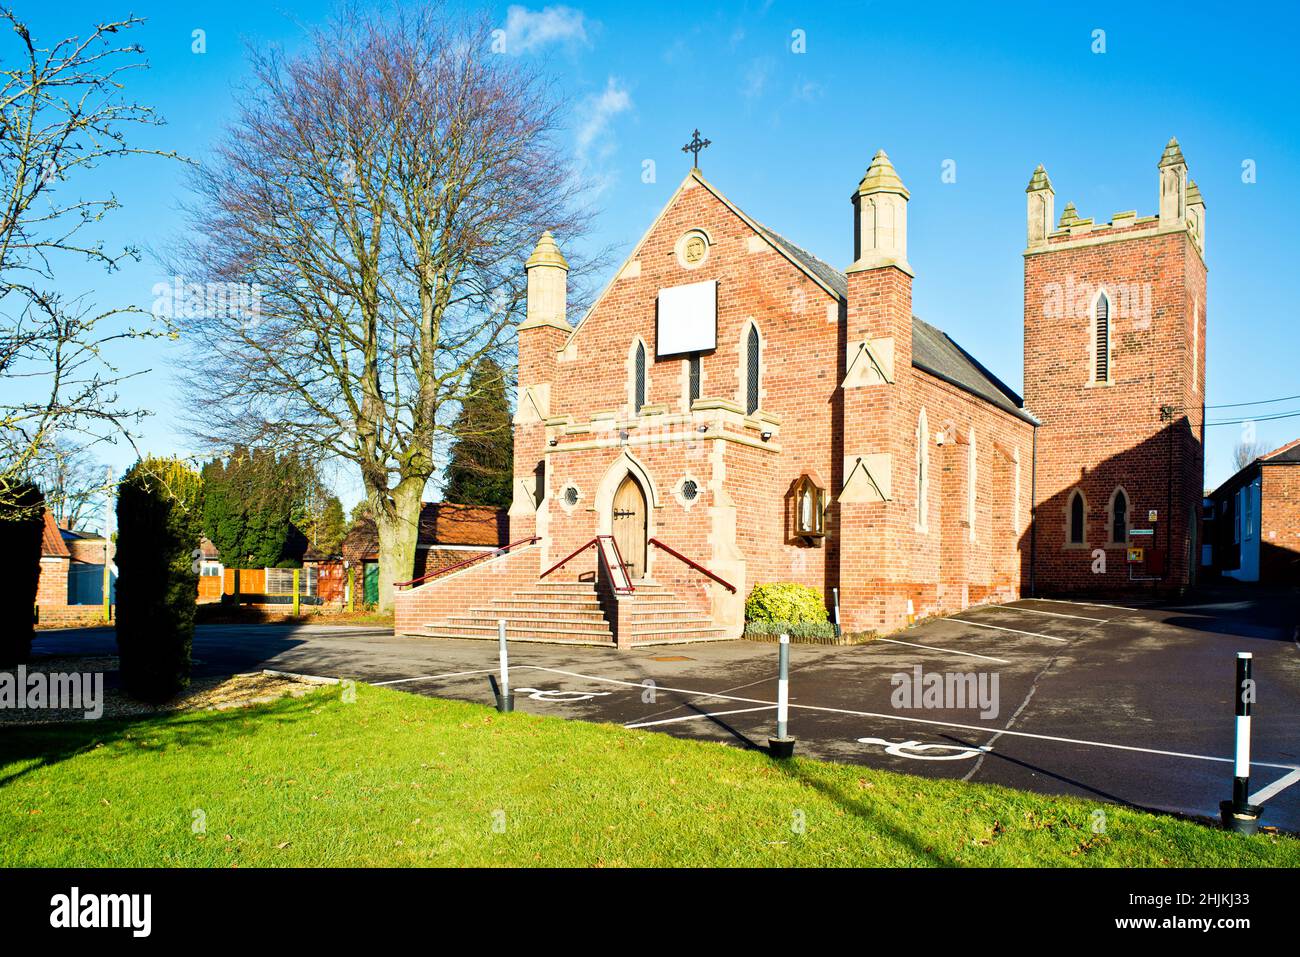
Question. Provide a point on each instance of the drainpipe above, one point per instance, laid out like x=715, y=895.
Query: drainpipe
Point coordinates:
x=1033, y=516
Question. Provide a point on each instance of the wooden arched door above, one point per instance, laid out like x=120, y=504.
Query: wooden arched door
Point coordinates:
x=629, y=524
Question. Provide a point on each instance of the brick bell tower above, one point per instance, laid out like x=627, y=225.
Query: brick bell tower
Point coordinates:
x=1115, y=317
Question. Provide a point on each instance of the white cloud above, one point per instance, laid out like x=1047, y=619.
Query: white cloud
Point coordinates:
x=807, y=90
x=594, y=143
x=527, y=30
x=756, y=77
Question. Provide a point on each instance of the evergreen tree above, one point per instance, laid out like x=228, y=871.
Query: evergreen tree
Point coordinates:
x=480, y=469
x=330, y=527
x=251, y=501
x=22, y=521
x=159, y=520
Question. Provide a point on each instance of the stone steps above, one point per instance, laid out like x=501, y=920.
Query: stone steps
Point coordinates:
x=571, y=613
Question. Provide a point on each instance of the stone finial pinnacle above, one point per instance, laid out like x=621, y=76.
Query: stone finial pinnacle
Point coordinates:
x=1173, y=155
x=1039, y=180
x=1068, y=216
x=547, y=253
x=881, y=177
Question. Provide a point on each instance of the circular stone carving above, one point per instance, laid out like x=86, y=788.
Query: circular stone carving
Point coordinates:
x=693, y=249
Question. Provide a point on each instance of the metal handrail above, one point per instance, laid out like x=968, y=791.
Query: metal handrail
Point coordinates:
x=628, y=588
x=564, y=561
x=619, y=589
x=469, y=561
x=696, y=565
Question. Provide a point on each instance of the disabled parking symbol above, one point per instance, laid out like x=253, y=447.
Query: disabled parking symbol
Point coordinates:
x=555, y=694
x=926, y=752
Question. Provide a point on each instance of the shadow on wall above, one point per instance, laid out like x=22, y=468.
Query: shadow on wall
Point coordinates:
x=1152, y=476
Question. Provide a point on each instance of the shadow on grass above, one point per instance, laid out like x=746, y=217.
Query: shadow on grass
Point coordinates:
x=28, y=748
x=798, y=771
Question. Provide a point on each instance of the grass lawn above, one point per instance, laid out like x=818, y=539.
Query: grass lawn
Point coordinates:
x=396, y=779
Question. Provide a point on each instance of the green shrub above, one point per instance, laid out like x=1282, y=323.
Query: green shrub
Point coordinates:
x=797, y=630
x=20, y=570
x=160, y=521
x=785, y=603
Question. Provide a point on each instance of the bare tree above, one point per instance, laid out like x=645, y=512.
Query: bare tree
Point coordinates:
x=74, y=483
x=377, y=195
x=1246, y=452
x=61, y=114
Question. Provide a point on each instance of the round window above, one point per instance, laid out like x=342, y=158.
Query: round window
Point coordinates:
x=690, y=490
x=571, y=496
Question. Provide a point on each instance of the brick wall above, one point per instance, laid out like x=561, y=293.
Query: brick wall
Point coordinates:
x=490, y=578
x=52, y=587
x=1279, y=546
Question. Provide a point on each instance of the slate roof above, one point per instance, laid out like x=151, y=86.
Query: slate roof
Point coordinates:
x=1290, y=452
x=933, y=350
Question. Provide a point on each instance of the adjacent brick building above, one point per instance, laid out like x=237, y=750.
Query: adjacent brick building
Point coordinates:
x=69, y=591
x=1253, y=527
x=734, y=411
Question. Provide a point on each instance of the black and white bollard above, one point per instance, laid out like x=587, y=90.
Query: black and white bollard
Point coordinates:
x=1239, y=814
x=505, y=697
x=782, y=746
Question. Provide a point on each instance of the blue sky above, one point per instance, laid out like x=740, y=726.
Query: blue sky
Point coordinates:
x=995, y=89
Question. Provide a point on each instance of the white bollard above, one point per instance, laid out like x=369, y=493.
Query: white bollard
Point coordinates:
x=1239, y=814
x=506, y=702
x=782, y=746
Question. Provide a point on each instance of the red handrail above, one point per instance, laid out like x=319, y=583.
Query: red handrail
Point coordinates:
x=469, y=561
x=620, y=589
x=696, y=565
x=565, y=561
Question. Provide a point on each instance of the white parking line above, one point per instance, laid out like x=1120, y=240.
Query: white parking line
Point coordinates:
x=927, y=721
x=697, y=717
x=449, y=674
x=1277, y=787
x=1084, y=604
x=951, y=651
x=1014, y=631
x=1054, y=614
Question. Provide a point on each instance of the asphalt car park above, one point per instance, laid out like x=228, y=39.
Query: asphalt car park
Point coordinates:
x=1115, y=703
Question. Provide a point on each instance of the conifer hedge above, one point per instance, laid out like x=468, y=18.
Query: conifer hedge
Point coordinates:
x=20, y=570
x=159, y=523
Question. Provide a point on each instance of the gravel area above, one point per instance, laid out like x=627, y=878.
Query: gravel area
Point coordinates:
x=216, y=693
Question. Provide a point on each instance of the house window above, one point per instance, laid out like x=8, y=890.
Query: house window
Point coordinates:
x=1250, y=510
x=690, y=490
x=1236, y=519
x=693, y=373
x=570, y=496
x=638, y=378
x=1076, y=529
x=809, y=508
x=922, y=471
x=1101, y=338
x=751, y=371
x=1119, y=518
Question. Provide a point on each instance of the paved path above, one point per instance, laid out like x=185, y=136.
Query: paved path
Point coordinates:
x=1117, y=704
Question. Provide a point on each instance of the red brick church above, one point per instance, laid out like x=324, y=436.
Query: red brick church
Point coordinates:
x=733, y=411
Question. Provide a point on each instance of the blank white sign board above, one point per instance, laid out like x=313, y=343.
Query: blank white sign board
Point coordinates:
x=688, y=318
